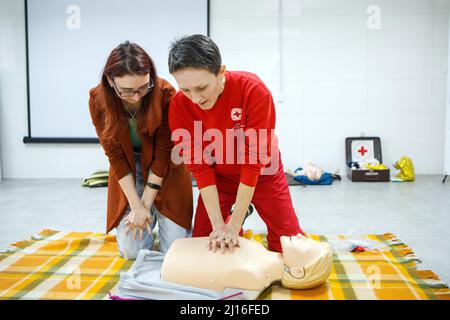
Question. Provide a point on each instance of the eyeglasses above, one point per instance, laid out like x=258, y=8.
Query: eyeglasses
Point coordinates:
x=131, y=93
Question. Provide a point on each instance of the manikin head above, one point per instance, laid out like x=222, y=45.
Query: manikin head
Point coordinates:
x=307, y=262
x=313, y=172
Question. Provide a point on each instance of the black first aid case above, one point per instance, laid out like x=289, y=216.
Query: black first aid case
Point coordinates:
x=364, y=149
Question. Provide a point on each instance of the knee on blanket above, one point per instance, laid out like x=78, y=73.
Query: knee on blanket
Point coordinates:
x=129, y=248
x=129, y=253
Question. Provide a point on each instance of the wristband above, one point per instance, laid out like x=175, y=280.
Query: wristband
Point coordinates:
x=153, y=186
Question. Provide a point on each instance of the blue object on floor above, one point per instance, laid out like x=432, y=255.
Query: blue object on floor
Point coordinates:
x=325, y=179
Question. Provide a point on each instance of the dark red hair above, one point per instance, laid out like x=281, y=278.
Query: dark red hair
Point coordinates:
x=128, y=59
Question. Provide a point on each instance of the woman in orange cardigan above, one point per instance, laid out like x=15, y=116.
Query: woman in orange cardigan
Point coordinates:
x=129, y=109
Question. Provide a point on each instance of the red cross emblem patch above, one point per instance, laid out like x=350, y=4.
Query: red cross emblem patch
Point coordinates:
x=236, y=114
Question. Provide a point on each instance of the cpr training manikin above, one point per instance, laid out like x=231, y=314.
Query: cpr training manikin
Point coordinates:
x=304, y=264
x=189, y=271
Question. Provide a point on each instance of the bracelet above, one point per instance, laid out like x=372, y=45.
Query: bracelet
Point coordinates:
x=154, y=186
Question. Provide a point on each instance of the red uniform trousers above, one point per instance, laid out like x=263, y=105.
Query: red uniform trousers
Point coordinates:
x=271, y=199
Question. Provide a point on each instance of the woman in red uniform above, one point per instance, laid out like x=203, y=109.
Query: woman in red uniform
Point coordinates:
x=222, y=123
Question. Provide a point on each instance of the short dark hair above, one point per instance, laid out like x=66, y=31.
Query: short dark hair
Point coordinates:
x=195, y=51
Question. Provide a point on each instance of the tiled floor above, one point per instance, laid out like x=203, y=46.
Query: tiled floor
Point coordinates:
x=418, y=212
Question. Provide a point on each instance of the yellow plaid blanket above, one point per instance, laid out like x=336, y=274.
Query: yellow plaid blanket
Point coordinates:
x=86, y=265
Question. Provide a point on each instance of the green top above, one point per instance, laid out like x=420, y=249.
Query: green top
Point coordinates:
x=135, y=138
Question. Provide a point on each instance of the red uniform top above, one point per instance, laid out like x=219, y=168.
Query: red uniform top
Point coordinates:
x=245, y=105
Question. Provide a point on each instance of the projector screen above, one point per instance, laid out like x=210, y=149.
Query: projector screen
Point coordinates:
x=68, y=43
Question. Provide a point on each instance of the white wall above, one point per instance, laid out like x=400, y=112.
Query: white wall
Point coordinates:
x=340, y=79
x=447, y=130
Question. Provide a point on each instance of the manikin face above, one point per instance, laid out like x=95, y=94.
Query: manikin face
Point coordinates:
x=298, y=250
x=201, y=86
x=131, y=88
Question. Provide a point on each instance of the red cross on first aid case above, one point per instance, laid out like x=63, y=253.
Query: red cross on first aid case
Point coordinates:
x=362, y=150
